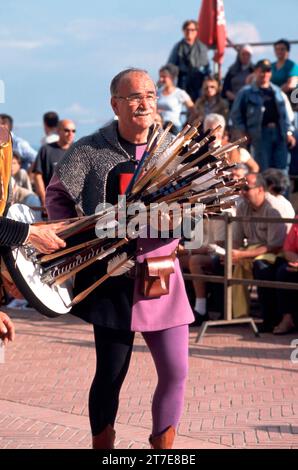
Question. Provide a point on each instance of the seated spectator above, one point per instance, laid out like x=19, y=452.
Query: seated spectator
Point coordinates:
x=25, y=196
x=50, y=125
x=284, y=70
x=237, y=74
x=212, y=121
x=264, y=241
x=210, y=101
x=288, y=272
x=278, y=184
x=199, y=261
x=28, y=154
x=240, y=155
x=293, y=170
x=20, y=175
x=171, y=99
x=202, y=261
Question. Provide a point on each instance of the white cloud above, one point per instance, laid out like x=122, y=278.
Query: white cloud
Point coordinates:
x=28, y=124
x=19, y=44
x=77, y=109
x=80, y=114
x=244, y=32
x=87, y=29
x=26, y=44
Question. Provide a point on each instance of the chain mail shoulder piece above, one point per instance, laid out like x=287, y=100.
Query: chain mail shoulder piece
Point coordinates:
x=85, y=167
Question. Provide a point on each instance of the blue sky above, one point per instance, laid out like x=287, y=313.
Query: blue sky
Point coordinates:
x=62, y=54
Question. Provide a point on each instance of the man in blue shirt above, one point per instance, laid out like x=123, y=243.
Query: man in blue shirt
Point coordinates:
x=261, y=112
x=28, y=154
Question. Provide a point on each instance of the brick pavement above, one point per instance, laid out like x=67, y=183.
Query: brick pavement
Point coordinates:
x=242, y=391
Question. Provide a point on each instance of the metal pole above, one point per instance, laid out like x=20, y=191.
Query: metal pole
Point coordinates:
x=256, y=44
x=228, y=268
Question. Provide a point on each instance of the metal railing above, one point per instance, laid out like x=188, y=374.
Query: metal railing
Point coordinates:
x=229, y=281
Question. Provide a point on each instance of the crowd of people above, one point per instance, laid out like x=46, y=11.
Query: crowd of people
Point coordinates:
x=62, y=177
x=252, y=100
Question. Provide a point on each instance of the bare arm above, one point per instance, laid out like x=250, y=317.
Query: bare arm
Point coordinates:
x=44, y=238
x=237, y=255
x=252, y=165
x=40, y=188
x=290, y=84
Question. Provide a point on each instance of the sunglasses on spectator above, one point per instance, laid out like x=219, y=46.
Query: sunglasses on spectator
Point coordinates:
x=68, y=131
x=246, y=187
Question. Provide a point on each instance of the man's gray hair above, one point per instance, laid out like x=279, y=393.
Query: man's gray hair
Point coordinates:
x=213, y=120
x=260, y=180
x=117, y=79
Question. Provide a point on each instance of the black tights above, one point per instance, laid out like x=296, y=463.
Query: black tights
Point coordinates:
x=113, y=352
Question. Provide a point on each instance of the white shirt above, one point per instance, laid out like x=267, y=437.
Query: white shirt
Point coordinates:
x=170, y=106
x=50, y=139
x=283, y=206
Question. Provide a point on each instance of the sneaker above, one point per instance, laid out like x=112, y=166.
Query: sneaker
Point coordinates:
x=18, y=304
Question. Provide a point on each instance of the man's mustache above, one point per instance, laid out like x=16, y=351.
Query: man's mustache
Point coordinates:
x=142, y=113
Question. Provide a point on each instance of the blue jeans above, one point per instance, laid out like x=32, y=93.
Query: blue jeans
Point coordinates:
x=270, y=150
x=265, y=271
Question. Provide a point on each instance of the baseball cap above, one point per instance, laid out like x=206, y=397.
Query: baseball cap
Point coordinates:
x=264, y=64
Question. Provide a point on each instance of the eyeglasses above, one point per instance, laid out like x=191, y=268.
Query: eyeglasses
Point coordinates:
x=190, y=30
x=133, y=100
x=68, y=131
x=246, y=187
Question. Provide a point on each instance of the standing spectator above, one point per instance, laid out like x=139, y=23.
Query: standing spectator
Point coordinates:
x=50, y=154
x=171, y=99
x=260, y=111
x=191, y=57
x=50, y=125
x=237, y=74
x=210, y=101
x=28, y=154
x=284, y=70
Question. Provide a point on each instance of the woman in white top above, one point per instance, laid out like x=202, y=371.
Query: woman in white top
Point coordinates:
x=277, y=186
x=171, y=99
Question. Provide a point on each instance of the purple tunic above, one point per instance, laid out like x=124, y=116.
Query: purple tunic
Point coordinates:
x=155, y=314
x=166, y=311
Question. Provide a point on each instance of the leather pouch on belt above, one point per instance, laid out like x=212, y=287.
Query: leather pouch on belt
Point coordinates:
x=155, y=276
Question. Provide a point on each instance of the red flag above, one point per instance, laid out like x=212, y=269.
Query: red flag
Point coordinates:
x=212, y=27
